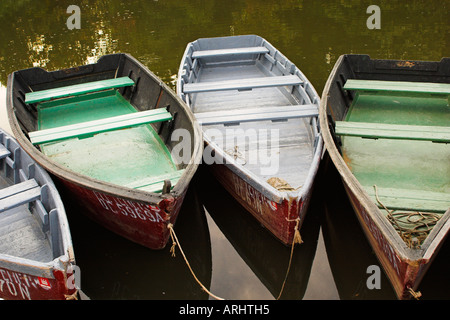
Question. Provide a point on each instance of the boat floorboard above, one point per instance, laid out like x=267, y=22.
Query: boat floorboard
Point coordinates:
x=399, y=164
x=290, y=158
x=21, y=235
x=120, y=157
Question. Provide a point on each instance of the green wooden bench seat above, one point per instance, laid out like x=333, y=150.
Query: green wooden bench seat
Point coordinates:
x=89, y=128
x=155, y=184
x=242, y=84
x=393, y=131
x=398, y=87
x=77, y=89
x=257, y=114
x=411, y=200
x=227, y=52
x=18, y=194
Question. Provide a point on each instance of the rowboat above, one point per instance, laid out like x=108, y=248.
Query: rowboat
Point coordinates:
x=37, y=260
x=385, y=124
x=258, y=113
x=106, y=132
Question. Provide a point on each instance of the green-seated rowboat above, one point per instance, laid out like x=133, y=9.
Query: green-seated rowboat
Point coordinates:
x=107, y=131
x=386, y=126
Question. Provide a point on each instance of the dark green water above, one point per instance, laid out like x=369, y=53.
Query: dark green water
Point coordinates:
x=232, y=255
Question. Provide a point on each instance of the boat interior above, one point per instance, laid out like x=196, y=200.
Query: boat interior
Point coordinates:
x=254, y=104
x=395, y=139
x=29, y=229
x=91, y=128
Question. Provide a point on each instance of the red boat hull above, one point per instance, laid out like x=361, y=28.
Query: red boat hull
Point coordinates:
x=21, y=286
x=143, y=223
x=279, y=218
x=404, y=274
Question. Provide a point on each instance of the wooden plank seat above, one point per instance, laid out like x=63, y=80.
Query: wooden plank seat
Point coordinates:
x=393, y=131
x=77, y=89
x=4, y=152
x=411, y=200
x=226, y=52
x=257, y=114
x=89, y=128
x=18, y=194
x=242, y=84
x=156, y=183
x=398, y=87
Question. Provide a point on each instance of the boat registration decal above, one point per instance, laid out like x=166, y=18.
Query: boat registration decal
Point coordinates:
x=134, y=210
x=44, y=283
x=18, y=284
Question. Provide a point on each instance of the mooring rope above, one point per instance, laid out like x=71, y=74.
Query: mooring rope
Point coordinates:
x=297, y=239
x=175, y=242
x=73, y=296
x=416, y=295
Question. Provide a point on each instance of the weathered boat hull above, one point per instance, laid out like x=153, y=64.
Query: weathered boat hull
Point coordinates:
x=24, y=273
x=280, y=218
x=228, y=76
x=140, y=216
x=404, y=266
x=143, y=223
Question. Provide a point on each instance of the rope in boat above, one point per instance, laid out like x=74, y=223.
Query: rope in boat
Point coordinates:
x=235, y=153
x=176, y=242
x=297, y=239
x=281, y=184
x=422, y=222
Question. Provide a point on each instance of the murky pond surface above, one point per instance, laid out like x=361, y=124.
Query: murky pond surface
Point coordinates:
x=230, y=253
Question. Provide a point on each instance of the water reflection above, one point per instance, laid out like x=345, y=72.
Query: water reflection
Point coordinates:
x=267, y=257
x=115, y=268
x=311, y=33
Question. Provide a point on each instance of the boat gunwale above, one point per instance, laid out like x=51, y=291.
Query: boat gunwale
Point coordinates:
x=248, y=176
x=99, y=185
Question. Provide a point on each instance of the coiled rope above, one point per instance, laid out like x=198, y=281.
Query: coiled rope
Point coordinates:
x=408, y=234
x=175, y=242
x=422, y=223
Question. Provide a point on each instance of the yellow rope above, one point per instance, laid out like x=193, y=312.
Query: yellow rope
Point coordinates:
x=73, y=296
x=175, y=242
x=416, y=295
x=297, y=239
x=281, y=184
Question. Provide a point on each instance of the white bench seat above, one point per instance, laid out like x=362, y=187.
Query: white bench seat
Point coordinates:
x=227, y=52
x=242, y=84
x=257, y=114
x=18, y=194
